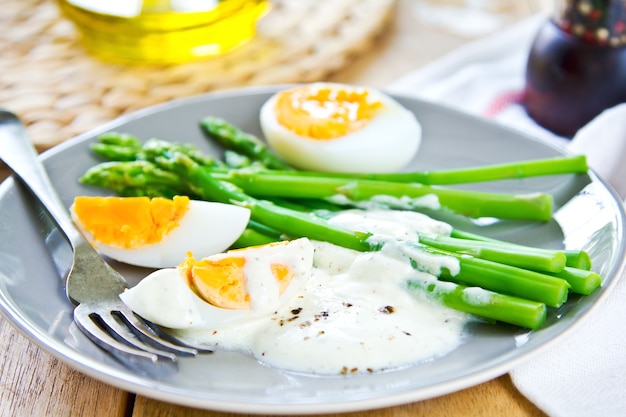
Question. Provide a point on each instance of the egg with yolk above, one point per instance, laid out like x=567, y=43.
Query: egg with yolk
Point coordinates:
x=157, y=232
x=340, y=128
x=223, y=289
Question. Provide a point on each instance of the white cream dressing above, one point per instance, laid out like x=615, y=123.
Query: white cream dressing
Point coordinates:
x=401, y=225
x=360, y=320
x=381, y=202
x=353, y=315
x=394, y=231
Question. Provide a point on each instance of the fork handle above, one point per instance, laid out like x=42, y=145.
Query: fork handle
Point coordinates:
x=20, y=156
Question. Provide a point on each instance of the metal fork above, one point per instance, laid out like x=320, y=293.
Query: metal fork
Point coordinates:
x=92, y=285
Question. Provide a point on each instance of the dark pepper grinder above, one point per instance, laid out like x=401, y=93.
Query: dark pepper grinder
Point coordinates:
x=577, y=64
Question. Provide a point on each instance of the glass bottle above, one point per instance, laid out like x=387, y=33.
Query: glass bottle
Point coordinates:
x=163, y=31
x=577, y=64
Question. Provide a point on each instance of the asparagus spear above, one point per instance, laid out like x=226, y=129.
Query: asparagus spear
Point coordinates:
x=581, y=281
x=576, y=164
x=482, y=303
x=115, y=146
x=536, y=206
x=524, y=257
x=257, y=234
x=578, y=259
x=236, y=139
x=134, y=177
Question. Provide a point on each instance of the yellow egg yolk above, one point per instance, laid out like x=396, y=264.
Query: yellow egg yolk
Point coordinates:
x=326, y=112
x=222, y=282
x=129, y=222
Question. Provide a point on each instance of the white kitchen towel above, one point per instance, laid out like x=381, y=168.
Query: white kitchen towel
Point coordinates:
x=584, y=373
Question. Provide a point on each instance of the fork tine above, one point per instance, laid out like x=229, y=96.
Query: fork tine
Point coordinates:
x=126, y=335
x=144, y=331
x=104, y=339
x=163, y=335
x=110, y=334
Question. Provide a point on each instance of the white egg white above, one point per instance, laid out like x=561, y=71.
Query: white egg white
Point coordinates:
x=206, y=229
x=165, y=298
x=386, y=144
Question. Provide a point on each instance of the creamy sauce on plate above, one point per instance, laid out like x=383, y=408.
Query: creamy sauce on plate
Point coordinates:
x=352, y=315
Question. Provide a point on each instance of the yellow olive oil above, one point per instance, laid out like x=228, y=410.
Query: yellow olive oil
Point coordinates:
x=163, y=31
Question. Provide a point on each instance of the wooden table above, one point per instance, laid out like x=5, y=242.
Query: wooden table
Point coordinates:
x=33, y=383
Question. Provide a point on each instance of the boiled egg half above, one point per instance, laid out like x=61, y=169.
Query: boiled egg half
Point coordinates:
x=157, y=232
x=223, y=289
x=340, y=128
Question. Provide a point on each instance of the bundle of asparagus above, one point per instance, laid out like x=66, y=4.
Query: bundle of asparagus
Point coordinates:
x=516, y=284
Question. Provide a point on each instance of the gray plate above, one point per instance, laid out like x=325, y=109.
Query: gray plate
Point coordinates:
x=588, y=215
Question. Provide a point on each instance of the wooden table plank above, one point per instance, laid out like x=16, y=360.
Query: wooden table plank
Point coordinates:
x=494, y=398
x=34, y=383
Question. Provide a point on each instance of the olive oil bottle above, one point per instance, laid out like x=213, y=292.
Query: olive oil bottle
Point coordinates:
x=163, y=31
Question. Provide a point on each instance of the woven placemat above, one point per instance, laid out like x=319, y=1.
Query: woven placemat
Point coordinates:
x=60, y=91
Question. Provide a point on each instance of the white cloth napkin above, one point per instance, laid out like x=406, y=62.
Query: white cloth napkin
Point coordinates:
x=584, y=373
